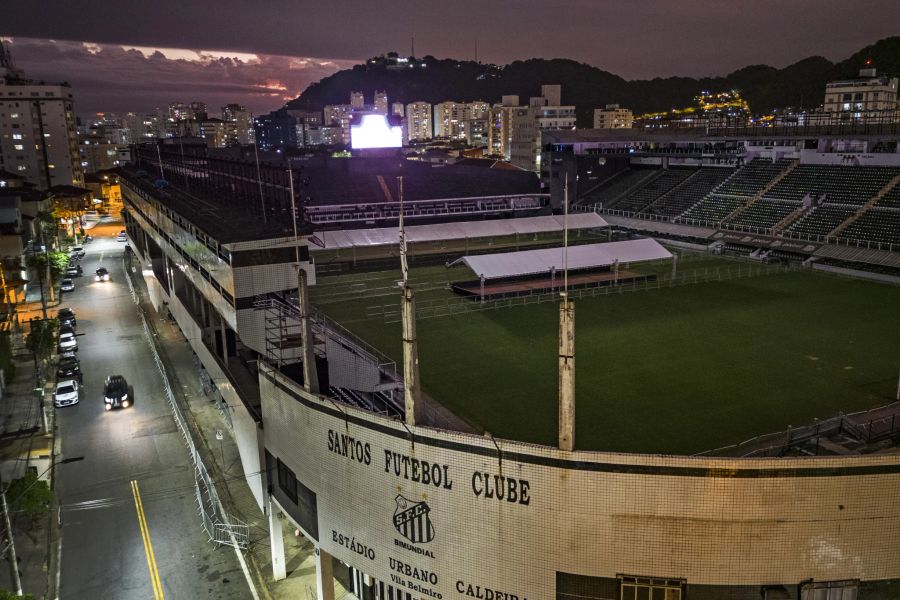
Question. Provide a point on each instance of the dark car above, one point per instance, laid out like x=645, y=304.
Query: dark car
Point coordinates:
x=67, y=317
x=116, y=393
x=66, y=328
x=74, y=271
x=69, y=368
x=102, y=274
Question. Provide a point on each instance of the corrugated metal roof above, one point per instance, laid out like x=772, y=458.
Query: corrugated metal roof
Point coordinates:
x=531, y=262
x=350, y=238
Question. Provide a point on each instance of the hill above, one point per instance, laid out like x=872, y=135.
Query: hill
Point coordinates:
x=801, y=84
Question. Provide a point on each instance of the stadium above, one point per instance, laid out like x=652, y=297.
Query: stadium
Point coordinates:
x=736, y=346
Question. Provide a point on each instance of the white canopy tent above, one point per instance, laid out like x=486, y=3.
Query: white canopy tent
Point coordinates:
x=460, y=230
x=587, y=256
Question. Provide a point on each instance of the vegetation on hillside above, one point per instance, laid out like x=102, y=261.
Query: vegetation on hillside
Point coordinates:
x=800, y=85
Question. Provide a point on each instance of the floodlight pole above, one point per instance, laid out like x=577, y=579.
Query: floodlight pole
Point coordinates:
x=566, y=345
x=674, y=265
x=412, y=394
x=310, y=373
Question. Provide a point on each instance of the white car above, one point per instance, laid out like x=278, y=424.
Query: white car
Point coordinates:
x=76, y=251
x=122, y=237
x=67, y=342
x=66, y=393
x=66, y=285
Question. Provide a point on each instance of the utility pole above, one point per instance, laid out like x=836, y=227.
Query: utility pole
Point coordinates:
x=566, y=355
x=13, y=561
x=310, y=373
x=412, y=391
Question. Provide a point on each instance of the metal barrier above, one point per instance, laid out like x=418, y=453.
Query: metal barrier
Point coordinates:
x=221, y=528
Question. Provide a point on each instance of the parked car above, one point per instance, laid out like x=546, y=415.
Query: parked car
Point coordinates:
x=66, y=285
x=63, y=329
x=115, y=393
x=76, y=251
x=122, y=237
x=69, y=368
x=102, y=274
x=66, y=393
x=67, y=342
x=66, y=316
x=74, y=270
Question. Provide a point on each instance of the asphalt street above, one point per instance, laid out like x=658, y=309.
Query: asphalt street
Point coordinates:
x=129, y=522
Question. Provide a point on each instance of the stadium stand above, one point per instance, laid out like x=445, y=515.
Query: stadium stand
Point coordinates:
x=763, y=214
x=822, y=220
x=638, y=199
x=839, y=184
x=752, y=177
x=613, y=188
x=685, y=195
x=877, y=225
x=891, y=198
x=713, y=208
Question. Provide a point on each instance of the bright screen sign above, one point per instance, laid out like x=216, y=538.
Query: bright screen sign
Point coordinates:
x=374, y=131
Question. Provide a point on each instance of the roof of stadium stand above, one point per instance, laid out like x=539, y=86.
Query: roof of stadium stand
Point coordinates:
x=587, y=256
x=350, y=238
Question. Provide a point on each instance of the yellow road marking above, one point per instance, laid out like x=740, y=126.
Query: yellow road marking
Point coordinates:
x=148, y=545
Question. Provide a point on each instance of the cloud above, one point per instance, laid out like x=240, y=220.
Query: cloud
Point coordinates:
x=115, y=78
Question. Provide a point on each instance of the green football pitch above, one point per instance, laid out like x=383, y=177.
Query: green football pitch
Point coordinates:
x=677, y=370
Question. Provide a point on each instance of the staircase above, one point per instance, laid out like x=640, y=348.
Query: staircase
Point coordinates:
x=654, y=173
x=789, y=220
x=758, y=195
x=663, y=197
x=869, y=204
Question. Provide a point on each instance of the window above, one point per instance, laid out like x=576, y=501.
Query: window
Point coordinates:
x=829, y=590
x=13, y=115
x=649, y=588
x=22, y=167
x=287, y=481
x=17, y=136
x=19, y=147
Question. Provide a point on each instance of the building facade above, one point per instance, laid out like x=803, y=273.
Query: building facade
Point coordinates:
x=381, y=102
x=38, y=139
x=613, y=117
x=242, y=120
x=543, y=113
x=866, y=97
x=419, y=121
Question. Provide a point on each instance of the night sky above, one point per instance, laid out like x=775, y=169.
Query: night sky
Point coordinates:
x=138, y=55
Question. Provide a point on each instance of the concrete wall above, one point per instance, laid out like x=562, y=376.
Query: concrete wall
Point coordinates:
x=713, y=522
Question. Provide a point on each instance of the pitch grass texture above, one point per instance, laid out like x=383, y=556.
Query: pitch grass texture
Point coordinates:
x=677, y=370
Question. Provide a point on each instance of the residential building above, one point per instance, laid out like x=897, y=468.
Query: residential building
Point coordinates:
x=475, y=132
x=865, y=97
x=143, y=126
x=418, y=121
x=243, y=123
x=199, y=110
x=339, y=114
x=381, y=102
x=97, y=152
x=276, y=130
x=37, y=129
x=397, y=108
x=541, y=115
x=500, y=129
x=357, y=100
x=179, y=111
x=613, y=117
x=216, y=132
x=308, y=121
x=448, y=118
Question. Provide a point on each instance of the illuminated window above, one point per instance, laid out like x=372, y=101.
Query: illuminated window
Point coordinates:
x=19, y=147
x=649, y=588
x=14, y=115
x=22, y=167
x=17, y=136
x=829, y=590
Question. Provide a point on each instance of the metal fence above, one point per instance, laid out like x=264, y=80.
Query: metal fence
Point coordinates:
x=221, y=528
x=446, y=307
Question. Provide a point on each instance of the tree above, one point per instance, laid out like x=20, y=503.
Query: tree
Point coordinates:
x=4, y=595
x=42, y=337
x=30, y=495
x=6, y=360
x=58, y=263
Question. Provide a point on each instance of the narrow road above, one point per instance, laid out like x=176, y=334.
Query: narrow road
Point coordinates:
x=130, y=527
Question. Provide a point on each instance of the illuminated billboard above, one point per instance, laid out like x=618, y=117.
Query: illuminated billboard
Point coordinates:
x=374, y=131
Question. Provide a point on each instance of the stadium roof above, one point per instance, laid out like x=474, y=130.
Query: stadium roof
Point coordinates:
x=587, y=256
x=350, y=238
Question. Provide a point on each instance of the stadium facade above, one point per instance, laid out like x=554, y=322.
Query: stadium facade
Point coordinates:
x=413, y=512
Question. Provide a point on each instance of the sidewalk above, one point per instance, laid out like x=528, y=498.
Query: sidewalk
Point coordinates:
x=23, y=444
x=223, y=462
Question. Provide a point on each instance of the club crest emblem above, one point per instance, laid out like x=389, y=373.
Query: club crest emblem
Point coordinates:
x=413, y=521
